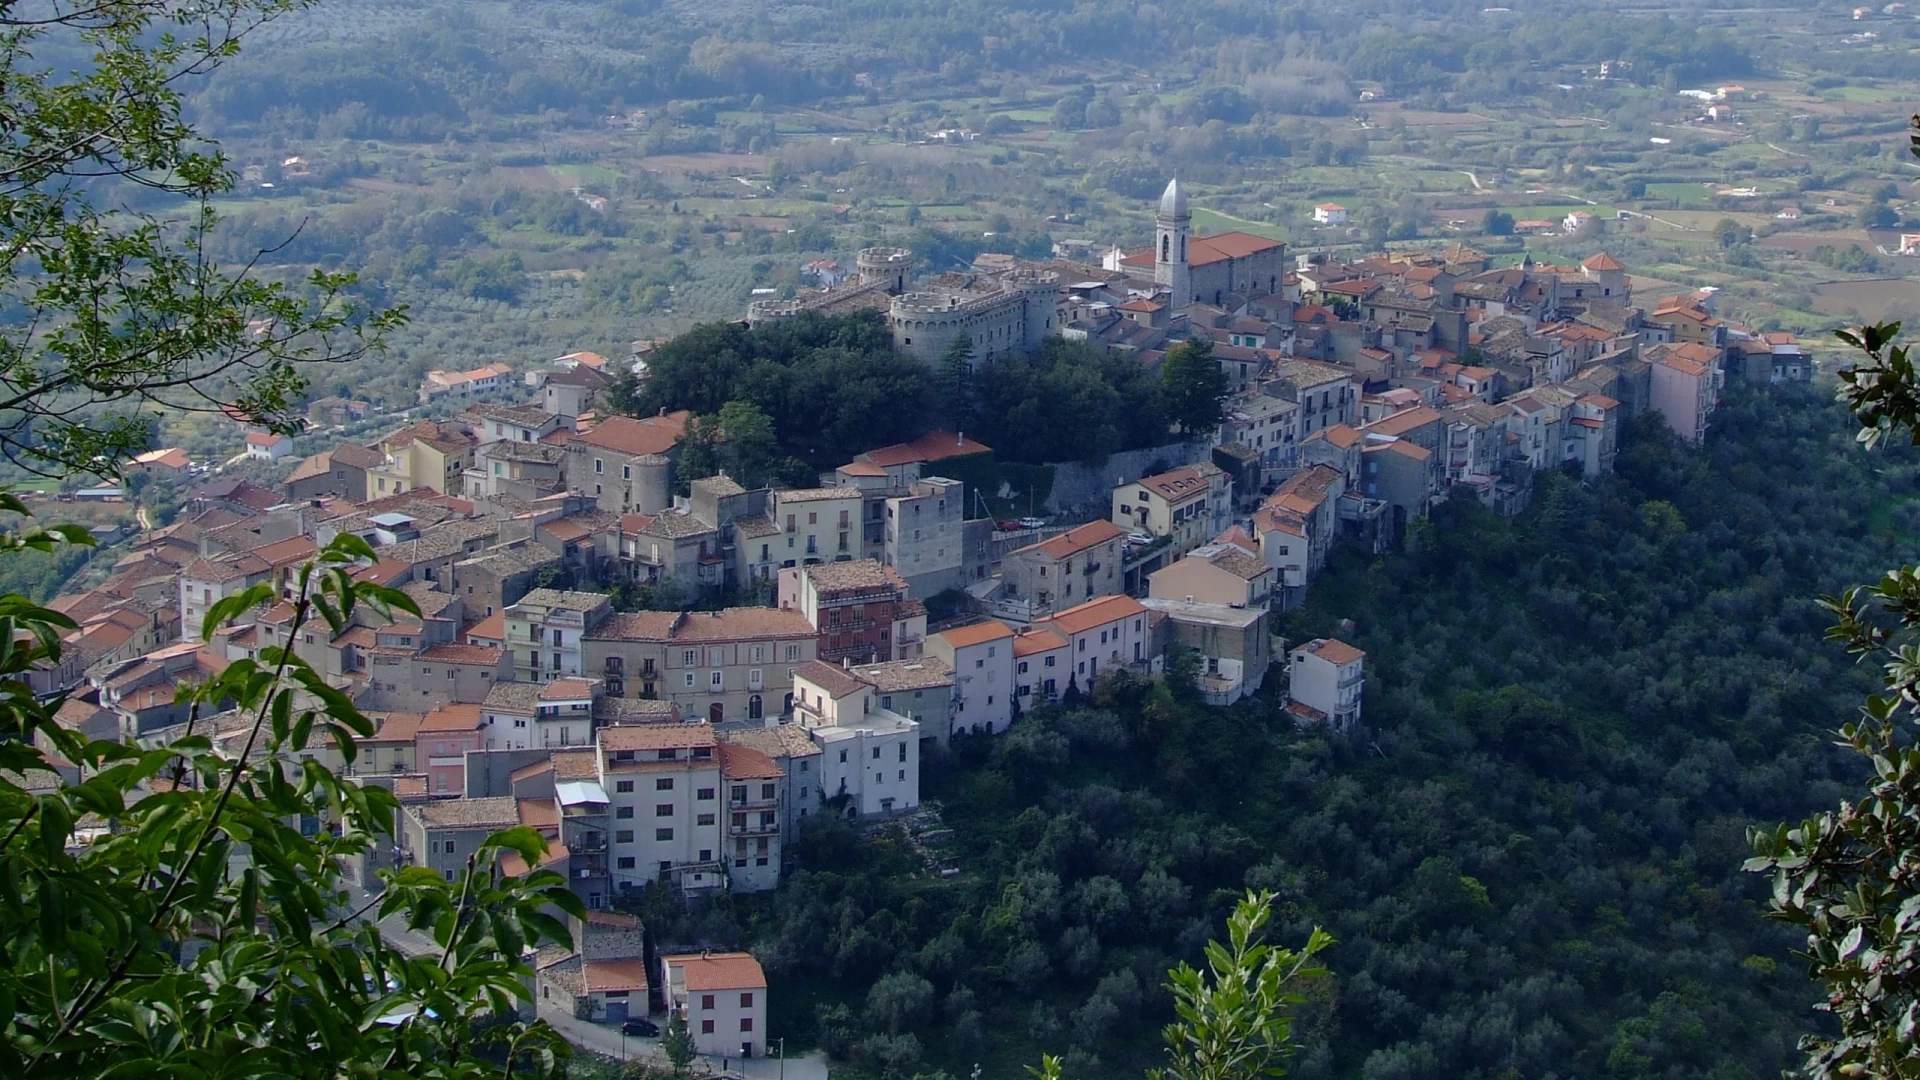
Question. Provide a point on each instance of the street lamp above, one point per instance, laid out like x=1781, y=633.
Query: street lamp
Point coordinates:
x=623, y=1043
x=782, y=1040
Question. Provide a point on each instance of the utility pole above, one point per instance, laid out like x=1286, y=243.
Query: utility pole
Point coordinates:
x=782, y=1040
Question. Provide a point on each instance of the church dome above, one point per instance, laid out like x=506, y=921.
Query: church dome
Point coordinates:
x=1173, y=202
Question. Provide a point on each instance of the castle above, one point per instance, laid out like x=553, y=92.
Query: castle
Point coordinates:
x=998, y=313
x=1014, y=309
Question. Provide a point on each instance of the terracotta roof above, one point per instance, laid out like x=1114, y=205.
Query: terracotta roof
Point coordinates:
x=1403, y=421
x=1341, y=436
x=862, y=468
x=495, y=812
x=719, y=971
x=1076, y=540
x=785, y=740
x=1684, y=365
x=528, y=772
x=656, y=737
x=858, y=574
x=728, y=624
x=747, y=763
x=1203, y=250
x=1175, y=484
x=410, y=786
x=636, y=438
x=933, y=446
x=1094, y=613
x=1405, y=449
x=893, y=676
x=492, y=628
x=604, y=975
x=462, y=654
x=1335, y=651
x=384, y=572
x=564, y=530
x=574, y=764
x=566, y=690
x=452, y=717
x=835, y=681
x=539, y=813
x=961, y=637
x=1037, y=641
x=172, y=457
x=1142, y=304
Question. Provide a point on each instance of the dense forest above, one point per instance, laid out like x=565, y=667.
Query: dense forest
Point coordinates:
x=1530, y=852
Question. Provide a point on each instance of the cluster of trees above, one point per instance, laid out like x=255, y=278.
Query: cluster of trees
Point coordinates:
x=816, y=390
x=1530, y=854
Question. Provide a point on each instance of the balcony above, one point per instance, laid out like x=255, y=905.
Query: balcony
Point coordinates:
x=753, y=830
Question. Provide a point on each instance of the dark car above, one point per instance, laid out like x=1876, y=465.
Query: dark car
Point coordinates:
x=1007, y=526
x=640, y=1027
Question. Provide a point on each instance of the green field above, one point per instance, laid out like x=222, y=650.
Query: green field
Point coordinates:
x=1212, y=221
x=1698, y=194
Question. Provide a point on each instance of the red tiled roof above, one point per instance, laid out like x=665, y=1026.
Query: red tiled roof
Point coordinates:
x=961, y=637
x=1094, y=613
x=719, y=971
x=933, y=446
x=1335, y=651
x=1076, y=540
x=492, y=628
x=463, y=654
x=452, y=717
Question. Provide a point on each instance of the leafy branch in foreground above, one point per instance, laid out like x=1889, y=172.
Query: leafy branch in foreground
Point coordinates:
x=1236, y=1018
x=166, y=915
x=111, y=310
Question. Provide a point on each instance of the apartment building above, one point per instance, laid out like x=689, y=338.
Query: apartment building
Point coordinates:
x=1232, y=642
x=859, y=610
x=1326, y=678
x=663, y=785
x=721, y=665
x=921, y=689
x=1685, y=387
x=1040, y=662
x=798, y=757
x=1077, y=565
x=924, y=535
x=981, y=659
x=723, y=998
x=817, y=525
x=545, y=629
x=441, y=743
x=1215, y=574
x=1185, y=505
x=755, y=800
x=1102, y=635
x=442, y=834
x=870, y=756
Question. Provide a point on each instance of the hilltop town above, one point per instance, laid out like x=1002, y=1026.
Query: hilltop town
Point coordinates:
x=803, y=672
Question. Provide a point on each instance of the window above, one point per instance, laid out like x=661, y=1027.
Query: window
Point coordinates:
x=876, y=753
x=717, y=681
x=706, y=1001
x=599, y=466
x=903, y=746
x=1023, y=667
x=664, y=809
x=706, y=854
x=706, y=1027
x=623, y=785
x=793, y=652
x=843, y=757
x=452, y=847
x=705, y=794
x=663, y=834
x=665, y=783
x=766, y=790
x=625, y=862
x=704, y=819
x=623, y=812
x=689, y=680
x=1050, y=660
x=449, y=673
x=623, y=836
x=746, y=1023
x=689, y=657
x=739, y=793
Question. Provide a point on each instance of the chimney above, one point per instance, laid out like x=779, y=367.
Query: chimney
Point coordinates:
x=959, y=438
x=663, y=410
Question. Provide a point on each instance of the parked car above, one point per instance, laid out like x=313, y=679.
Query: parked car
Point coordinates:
x=1031, y=522
x=1139, y=539
x=1007, y=526
x=643, y=1027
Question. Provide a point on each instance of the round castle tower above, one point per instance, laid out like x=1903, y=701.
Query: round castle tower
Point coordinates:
x=766, y=311
x=886, y=264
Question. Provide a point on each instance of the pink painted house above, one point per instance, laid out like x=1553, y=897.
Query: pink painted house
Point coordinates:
x=441, y=744
x=1685, y=386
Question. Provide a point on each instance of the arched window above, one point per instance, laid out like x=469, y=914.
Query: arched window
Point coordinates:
x=716, y=712
x=1183, y=249
x=754, y=707
x=1166, y=248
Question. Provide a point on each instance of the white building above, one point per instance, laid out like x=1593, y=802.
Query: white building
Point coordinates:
x=981, y=658
x=663, y=786
x=1330, y=214
x=869, y=755
x=1325, y=683
x=1110, y=632
x=1041, y=659
x=723, y=997
x=268, y=446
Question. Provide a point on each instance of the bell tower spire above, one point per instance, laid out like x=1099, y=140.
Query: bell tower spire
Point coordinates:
x=1171, y=226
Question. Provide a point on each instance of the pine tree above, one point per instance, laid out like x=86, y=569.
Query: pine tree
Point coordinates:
x=1195, y=387
x=677, y=1043
x=955, y=381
